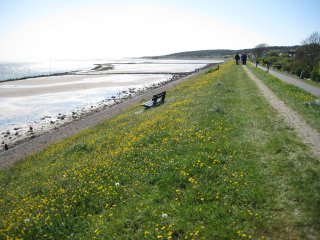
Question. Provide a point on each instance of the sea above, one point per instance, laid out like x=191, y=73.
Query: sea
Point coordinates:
x=20, y=70
x=27, y=98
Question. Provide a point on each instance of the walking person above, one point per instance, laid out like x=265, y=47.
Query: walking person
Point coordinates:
x=244, y=58
x=237, y=57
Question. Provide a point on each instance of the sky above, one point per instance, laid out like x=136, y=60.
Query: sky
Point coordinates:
x=101, y=29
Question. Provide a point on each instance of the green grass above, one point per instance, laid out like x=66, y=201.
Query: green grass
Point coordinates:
x=294, y=97
x=213, y=162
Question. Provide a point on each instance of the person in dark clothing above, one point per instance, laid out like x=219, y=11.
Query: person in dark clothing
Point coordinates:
x=237, y=57
x=244, y=58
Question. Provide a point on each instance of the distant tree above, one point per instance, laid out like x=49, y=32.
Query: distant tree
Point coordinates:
x=315, y=74
x=259, y=49
x=311, y=50
x=307, y=56
x=273, y=53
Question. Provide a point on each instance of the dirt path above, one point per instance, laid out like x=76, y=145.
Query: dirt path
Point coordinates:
x=9, y=157
x=308, y=135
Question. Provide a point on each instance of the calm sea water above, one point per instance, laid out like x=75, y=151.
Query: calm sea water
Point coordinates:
x=18, y=70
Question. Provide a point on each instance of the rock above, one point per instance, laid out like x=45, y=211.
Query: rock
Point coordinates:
x=52, y=122
x=6, y=147
x=30, y=128
x=17, y=128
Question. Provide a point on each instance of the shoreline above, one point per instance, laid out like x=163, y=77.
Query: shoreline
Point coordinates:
x=99, y=69
x=82, y=120
x=14, y=134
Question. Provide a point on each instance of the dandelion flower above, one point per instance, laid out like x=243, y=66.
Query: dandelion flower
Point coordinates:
x=164, y=215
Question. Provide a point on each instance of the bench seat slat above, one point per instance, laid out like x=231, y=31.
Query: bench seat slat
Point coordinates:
x=149, y=103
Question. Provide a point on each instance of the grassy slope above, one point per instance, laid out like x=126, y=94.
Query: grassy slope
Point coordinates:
x=213, y=162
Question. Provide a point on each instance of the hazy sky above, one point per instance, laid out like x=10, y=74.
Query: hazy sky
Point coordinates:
x=82, y=29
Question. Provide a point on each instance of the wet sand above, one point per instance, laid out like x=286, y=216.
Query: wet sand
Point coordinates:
x=68, y=83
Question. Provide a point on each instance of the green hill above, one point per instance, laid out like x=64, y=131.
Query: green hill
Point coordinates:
x=198, y=54
x=213, y=162
x=216, y=53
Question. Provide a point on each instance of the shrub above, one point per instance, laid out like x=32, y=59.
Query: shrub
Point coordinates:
x=315, y=74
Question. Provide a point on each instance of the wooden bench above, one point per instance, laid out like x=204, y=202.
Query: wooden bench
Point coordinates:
x=155, y=101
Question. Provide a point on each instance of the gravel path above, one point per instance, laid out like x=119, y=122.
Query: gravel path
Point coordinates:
x=294, y=81
x=308, y=135
x=9, y=157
